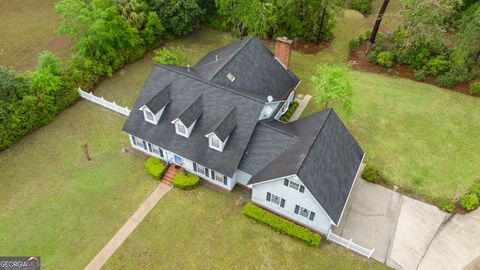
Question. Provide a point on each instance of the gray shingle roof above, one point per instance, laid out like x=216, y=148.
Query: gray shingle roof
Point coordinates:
x=254, y=67
x=160, y=100
x=226, y=124
x=216, y=98
x=326, y=159
x=192, y=112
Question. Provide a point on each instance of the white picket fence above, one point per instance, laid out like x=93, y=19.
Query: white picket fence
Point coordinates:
x=105, y=103
x=349, y=244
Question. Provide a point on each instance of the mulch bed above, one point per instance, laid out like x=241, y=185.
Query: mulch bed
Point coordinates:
x=358, y=60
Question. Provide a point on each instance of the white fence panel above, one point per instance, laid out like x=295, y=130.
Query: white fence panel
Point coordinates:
x=349, y=244
x=104, y=103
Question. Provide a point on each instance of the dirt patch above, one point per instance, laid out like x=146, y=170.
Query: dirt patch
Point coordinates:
x=305, y=47
x=358, y=60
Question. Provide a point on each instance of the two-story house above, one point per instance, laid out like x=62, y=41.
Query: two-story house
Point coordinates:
x=219, y=120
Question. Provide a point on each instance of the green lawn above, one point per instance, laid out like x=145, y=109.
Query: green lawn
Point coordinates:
x=205, y=229
x=55, y=204
x=29, y=27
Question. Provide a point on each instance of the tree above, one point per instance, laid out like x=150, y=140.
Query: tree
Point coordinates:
x=179, y=16
x=134, y=12
x=153, y=29
x=376, y=27
x=170, y=56
x=332, y=85
x=426, y=22
x=104, y=41
x=469, y=33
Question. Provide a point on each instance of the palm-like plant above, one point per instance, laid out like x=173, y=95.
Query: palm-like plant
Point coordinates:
x=134, y=12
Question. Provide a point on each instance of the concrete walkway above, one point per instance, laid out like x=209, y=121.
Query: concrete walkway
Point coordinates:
x=302, y=104
x=128, y=228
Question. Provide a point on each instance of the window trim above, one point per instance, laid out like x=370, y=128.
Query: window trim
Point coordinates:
x=147, y=113
x=178, y=126
x=304, y=212
x=279, y=201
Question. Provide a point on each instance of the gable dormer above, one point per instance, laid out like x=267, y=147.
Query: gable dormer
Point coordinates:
x=187, y=119
x=220, y=133
x=153, y=109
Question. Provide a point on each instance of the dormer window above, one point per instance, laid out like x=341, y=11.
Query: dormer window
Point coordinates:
x=153, y=109
x=186, y=120
x=215, y=143
x=149, y=116
x=231, y=77
x=181, y=129
x=221, y=131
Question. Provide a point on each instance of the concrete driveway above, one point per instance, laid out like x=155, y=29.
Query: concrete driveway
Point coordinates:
x=399, y=228
x=371, y=217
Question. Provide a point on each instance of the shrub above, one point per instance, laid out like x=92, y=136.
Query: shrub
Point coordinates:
x=354, y=44
x=363, y=6
x=155, y=168
x=475, y=88
x=448, y=79
x=385, y=59
x=437, y=65
x=280, y=224
x=372, y=56
x=469, y=201
x=371, y=174
x=420, y=59
x=476, y=190
x=184, y=180
x=446, y=206
x=420, y=75
x=170, y=56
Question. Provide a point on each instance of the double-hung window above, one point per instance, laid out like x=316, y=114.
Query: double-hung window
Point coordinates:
x=275, y=199
x=215, y=142
x=200, y=169
x=304, y=212
x=294, y=185
x=219, y=177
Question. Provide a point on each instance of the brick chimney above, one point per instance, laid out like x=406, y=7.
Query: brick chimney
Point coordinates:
x=283, y=48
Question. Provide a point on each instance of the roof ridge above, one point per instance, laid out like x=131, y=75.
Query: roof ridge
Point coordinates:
x=250, y=38
x=211, y=83
x=315, y=137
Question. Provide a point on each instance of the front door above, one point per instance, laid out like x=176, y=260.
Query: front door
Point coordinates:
x=178, y=160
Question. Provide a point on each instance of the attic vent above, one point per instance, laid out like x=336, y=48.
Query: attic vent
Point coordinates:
x=231, y=77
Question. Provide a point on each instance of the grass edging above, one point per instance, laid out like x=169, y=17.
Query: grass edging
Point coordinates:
x=282, y=225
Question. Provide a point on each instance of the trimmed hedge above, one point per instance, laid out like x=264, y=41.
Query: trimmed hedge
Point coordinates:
x=155, y=168
x=185, y=180
x=291, y=109
x=280, y=224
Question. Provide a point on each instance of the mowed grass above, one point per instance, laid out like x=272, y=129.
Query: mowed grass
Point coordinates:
x=205, y=229
x=28, y=27
x=423, y=138
x=55, y=204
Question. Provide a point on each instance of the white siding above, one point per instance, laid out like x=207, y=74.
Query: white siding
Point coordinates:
x=268, y=109
x=292, y=197
x=187, y=164
x=242, y=177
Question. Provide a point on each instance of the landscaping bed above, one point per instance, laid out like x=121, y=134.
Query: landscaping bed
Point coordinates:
x=359, y=61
